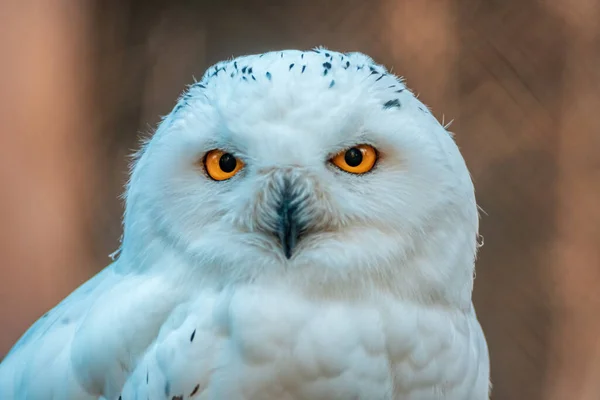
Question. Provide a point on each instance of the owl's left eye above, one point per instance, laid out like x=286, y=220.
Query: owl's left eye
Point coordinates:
x=221, y=166
x=356, y=160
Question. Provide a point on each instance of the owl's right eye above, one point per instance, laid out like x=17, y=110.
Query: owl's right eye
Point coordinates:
x=221, y=166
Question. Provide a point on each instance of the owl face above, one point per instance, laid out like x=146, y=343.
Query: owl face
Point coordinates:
x=311, y=166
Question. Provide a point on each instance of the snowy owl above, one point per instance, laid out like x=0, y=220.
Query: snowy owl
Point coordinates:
x=299, y=227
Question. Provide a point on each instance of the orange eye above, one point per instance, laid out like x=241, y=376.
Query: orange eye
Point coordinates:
x=356, y=160
x=221, y=166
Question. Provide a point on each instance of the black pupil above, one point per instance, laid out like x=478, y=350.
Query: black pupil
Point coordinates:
x=227, y=163
x=353, y=157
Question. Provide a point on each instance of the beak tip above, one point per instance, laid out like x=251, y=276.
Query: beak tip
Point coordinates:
x=288, y=229
x=286, y=245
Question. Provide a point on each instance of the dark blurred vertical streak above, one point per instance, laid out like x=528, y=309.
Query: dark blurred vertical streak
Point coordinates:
x=46, y=163
x=119, y=40
x=146, y=54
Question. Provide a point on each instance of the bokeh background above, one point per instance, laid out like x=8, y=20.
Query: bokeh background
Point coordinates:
x=80, y=80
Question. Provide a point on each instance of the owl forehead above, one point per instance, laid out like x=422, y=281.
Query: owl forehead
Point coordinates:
x=294, y=95
x=296, y=81
x=285, y=65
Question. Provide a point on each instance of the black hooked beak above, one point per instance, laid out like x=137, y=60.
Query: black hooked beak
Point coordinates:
x=288, y=228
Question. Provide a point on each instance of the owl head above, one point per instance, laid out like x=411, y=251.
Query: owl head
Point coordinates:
x=315, y=169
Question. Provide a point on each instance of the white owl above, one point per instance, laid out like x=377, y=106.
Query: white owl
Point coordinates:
x=300, y=227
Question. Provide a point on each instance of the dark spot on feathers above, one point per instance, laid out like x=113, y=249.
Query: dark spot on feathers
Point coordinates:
x=193, y=335
x=303, y=68
x=325, y=72
x=261, y=56
x=147, y=376
x=120, y=398
x=420, y=108
x=347, y=64
x=391, y=86
x=201, y=85
x=235, y=64
x=244, y=78
x=268, y=75
x=250, y=70
x=331, y=84
x=253, y=78
x=373, y=73
x=316, y=51
x=378, y=79
x=359, y=67
x=391, y=104
x=217, y=70
x=195, y=390
x=372, y=68
x=302, y=56
x=291, y=66
x=400, y=91
x=244, y=69
x=167, y=388
x=45, y=315
x=327, y=65
x=180, y=397
x=341, y=57
x=281, y=55
x=232, y=74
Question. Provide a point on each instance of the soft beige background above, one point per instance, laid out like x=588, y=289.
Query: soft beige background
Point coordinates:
x=79, y=80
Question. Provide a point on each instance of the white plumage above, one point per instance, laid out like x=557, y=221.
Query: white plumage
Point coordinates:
x=292, y=279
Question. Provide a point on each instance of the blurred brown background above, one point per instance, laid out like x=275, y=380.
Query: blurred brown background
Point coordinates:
x=79, y=80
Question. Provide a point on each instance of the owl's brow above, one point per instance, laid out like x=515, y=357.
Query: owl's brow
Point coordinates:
x=362, y=137
x=224, y=145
